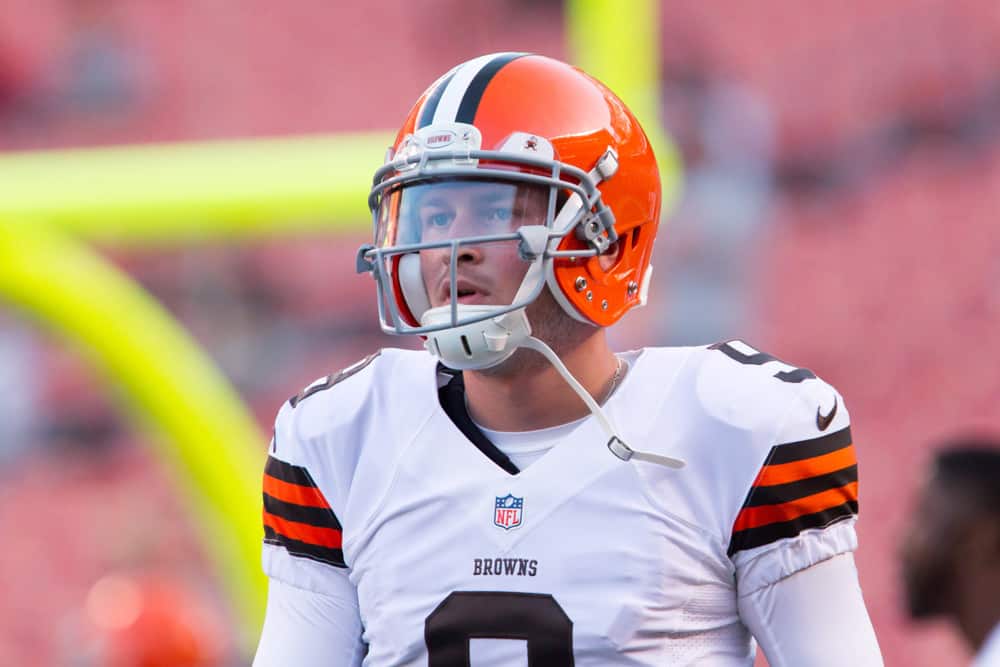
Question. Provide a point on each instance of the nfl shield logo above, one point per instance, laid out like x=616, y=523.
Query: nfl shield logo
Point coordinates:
x=507, y=513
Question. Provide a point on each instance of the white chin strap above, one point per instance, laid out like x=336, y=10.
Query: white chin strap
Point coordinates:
x=477, y=345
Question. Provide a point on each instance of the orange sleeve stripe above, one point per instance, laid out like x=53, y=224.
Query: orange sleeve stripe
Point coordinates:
x=296, y=494
x=752, y=517
x=784, y=473
x=324, y=537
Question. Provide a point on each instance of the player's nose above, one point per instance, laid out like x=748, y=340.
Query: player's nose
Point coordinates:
x=466, y=254
x=470, y=254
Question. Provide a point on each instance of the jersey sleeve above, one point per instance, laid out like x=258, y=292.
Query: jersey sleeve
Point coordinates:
x=303, y=536
x=801, y=507
x=309, y=629
x=307, y=478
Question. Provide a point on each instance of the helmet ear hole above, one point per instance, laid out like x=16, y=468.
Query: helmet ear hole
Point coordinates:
x=610, y=257
x=634, y=234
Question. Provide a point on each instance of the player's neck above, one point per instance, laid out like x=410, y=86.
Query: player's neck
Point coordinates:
x=530, y=394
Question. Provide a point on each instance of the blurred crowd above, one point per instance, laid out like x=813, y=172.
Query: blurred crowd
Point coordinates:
x=841, y=184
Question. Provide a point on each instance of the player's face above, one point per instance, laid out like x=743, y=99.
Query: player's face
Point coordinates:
x=930, y=552
x=488, y=272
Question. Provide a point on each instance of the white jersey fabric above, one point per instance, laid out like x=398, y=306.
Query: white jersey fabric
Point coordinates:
x=410, y=542
x=525, y=447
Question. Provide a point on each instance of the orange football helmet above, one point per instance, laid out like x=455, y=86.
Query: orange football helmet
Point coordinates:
x=526, y=123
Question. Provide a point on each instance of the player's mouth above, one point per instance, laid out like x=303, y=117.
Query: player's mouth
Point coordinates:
x=466, y=293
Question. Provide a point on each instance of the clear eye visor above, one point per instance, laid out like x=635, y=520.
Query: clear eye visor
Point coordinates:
x=447, y=225
x=434, y=212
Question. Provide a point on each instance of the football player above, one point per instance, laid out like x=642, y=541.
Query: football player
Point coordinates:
x=951, y=554
x=517, y=493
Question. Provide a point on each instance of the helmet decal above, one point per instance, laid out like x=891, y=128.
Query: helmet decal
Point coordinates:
x=433, y=99
x=457, y=97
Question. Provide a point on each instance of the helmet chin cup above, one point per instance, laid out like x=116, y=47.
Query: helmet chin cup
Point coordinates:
x=479, y=344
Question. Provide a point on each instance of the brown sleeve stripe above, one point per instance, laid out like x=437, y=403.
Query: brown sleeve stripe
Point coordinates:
x=785, y=493
x=294, y=493
x=321, y=517
x=286, y=472
x=807, y=449
x=753, y=517
x=783, y=473
x=802, y=485
x=292, y=484
x=321, y=537
x=297, y=516
x=330, y=556
x=795, y=461
x=772, y=532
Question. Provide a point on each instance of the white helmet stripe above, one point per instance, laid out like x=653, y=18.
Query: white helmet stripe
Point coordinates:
x=431, y=104
x=464, y=89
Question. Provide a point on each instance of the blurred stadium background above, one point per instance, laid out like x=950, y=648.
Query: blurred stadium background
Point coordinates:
x=839, y=208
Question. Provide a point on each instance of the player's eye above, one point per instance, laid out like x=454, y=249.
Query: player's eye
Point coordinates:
x=437, y=219
x=499, y=214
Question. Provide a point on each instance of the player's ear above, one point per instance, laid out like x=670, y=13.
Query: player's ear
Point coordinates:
x=610, y=258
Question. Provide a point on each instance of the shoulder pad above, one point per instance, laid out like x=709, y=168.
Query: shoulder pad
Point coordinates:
x=741, y=352
x=808, y=473
x=752, y=390
x=332, y=379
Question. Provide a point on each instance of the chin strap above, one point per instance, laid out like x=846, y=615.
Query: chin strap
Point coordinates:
x=615, y=444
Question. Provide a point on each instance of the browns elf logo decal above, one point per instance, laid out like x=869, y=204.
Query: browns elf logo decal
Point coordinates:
x=440, y=139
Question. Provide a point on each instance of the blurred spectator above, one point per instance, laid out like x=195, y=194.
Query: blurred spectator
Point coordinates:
x=97, y=72
x=18, y=390
x=79, y=417
x=951, y=556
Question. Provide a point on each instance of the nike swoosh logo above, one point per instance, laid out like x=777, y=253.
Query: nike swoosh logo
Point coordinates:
x=823, y=421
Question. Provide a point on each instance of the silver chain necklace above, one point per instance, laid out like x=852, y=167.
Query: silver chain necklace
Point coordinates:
x=619, y=367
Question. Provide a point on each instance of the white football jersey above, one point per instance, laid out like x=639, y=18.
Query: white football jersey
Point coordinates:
x=582, y=558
